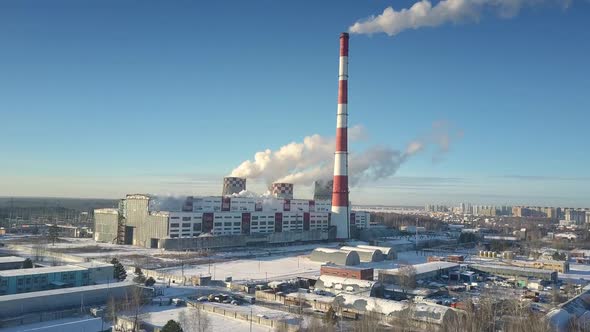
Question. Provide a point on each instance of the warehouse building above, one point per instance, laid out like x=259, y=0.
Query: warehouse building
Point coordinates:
x=335, y=256
x=366, y=255
x=45, y=278
x=388, y=252
x=61, y=299
x=354, y=272
x=424, y=271
x=11, y=262
x=513, y=271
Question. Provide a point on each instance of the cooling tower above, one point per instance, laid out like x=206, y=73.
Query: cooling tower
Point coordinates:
x=282, y=190
x=233, y=185
x=322, y=190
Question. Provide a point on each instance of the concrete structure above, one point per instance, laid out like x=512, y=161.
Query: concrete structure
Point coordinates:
x=60, y=299
x=45, y=278
x=388, y=252
x=340, y=201
x=106, y=223
x=366, y=255
x=512, y=271
x=233, y=185
x=361, y=273
x=335, y=256
x=11, y=262
x=424, y=271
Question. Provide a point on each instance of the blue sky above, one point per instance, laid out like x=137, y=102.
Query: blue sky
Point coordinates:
x=102, y=98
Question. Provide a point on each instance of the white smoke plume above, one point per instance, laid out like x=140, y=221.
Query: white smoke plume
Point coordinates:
x=313, y=159
x=424, y=14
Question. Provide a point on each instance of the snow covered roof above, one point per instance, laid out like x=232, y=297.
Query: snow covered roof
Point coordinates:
x=426, y=312
x=40, y=270
x=333, y=281
x=11, y=259
x=426, y=267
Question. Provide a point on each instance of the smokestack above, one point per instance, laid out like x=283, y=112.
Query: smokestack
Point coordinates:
x=233, y=185
x=282, y=190
x=340, y=204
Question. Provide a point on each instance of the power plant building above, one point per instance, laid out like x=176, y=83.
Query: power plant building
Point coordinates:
x=134, y=223
x=230, y=214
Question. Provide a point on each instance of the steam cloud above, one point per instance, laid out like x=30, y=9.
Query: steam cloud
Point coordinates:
x=313, y=159
x=424, y=14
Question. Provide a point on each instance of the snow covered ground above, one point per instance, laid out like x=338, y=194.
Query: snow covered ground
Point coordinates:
x=217, y=323
x=271, y=268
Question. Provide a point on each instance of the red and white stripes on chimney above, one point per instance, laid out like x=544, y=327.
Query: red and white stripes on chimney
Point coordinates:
x=340, y=202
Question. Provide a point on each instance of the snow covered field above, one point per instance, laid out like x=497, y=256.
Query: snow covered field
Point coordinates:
x=271, y=268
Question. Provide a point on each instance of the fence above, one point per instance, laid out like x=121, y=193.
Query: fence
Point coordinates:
x=273, y=323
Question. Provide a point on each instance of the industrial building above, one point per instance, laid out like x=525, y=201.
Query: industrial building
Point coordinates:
x=366, y=255
x=60, y=299
x=137, y=222
x=361, y=273
x=424, y=271
x=46, y=278
x=335, y=256
x=513, y=271
x=388, y=252
x=11, y=262
x=542, y=264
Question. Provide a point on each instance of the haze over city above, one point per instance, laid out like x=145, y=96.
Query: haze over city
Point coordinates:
x=103, y=99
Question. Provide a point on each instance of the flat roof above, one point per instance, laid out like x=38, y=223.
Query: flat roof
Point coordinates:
x=93, y=264
x=510, y=268
x=53, y=292
x=41, y=270
x=426, y=267
x=11, y=259
x=347, y=267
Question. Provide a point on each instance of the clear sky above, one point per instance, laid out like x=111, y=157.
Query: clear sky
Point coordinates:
x=103, y=98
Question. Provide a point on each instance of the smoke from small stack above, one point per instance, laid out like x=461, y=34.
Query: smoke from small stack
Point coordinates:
x=302, y=163
x=424, y=14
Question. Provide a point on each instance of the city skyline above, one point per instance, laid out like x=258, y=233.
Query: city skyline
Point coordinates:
x=147, y=103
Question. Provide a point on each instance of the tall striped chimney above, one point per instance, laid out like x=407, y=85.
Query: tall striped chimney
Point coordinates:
x=340, y=204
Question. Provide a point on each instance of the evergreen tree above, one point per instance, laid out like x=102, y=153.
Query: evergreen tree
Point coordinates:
x=172, y=326
x=53, y=233
x=140, y=277
x=119, y=272
x=150, y=282
x=27, y=264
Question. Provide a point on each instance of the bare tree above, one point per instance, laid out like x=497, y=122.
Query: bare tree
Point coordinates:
x=194, y=319
x=407, y=277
